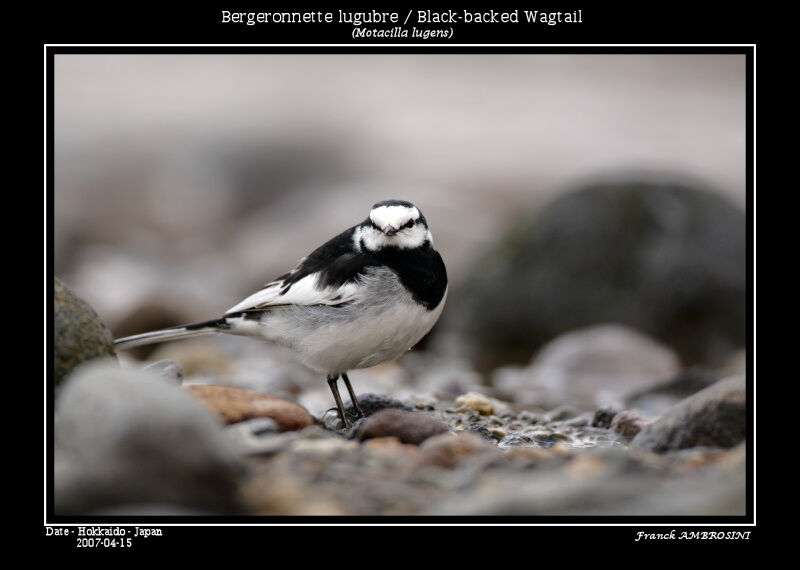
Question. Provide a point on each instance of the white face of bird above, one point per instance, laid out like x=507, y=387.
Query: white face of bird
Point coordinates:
x=393, y=223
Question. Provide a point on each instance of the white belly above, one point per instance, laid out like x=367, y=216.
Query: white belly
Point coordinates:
x=381, y=325
x=367, y=340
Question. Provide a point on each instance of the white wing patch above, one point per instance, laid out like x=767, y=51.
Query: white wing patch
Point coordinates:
x=303, y=292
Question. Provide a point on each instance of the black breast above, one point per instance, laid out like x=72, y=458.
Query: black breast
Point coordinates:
x=421, y=271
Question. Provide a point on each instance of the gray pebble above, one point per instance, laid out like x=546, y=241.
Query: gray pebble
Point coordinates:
x=123, y=437
x=715, y=416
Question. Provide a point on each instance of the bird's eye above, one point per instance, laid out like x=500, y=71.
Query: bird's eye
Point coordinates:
x=409, y=224
x=374, y=225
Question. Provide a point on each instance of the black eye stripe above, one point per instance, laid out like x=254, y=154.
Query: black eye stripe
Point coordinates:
x=408, y=224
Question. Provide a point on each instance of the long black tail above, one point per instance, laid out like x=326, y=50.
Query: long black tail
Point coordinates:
x=172, y=333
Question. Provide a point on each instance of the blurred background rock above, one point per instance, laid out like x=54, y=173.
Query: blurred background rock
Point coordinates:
x=184, y=182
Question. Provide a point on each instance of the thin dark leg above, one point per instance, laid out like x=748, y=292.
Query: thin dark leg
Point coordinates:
x=332, y=379
x=352, y=395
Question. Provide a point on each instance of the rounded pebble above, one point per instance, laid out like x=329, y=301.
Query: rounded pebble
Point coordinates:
x=78, y=334
x=408, y=427
x=234, y=405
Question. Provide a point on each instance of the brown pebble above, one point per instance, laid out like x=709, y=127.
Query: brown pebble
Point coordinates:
x=390, y=444
x=627, y=423
x=478, y=402
x=408, y=427
x=449, y=449
x=234, y=405
x=583, y=467
x=527, y=456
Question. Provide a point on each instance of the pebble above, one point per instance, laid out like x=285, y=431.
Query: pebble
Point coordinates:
x=259, y=436
x=123, y=436
x=602, y=418
x=527, y=456
x=234, y=405
x=561, y=413
x=627, y=423
x=323, y=447
x=714, y=417
x=391, y=445
x=408, y=427
x=369, y=403
x=448, y=450
x=78, y=333
x=372, y=403
x=258, y=426
x=475, y=401
x=656, y=400
x=585, y=466
x=588, y=368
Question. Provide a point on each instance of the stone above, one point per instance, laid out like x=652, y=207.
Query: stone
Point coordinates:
x=484, y=405
x=603, y=417
x=256, y=427
x=372, y=403
x=448, y=450
x=369, y=403
x=664, y=258
x=259, y=436
x=560, y=414
x=656, y=400
x=78, y=333
x=234, y=405
x=392, y=446
x=713, y=417
x=123, y=436
x=589, y=368
x=408, y=427
x=627, y=423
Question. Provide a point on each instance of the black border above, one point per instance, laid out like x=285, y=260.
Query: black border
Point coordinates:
x=609, y=23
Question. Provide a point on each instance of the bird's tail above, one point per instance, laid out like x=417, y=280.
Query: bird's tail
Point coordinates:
x=172, y=333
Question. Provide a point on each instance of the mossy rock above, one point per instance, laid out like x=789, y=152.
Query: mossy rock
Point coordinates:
x=78, y=334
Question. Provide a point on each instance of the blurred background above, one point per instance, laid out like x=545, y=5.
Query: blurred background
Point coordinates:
x=564, y=192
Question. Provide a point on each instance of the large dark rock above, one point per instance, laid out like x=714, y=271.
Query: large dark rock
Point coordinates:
x=78, y=334
x=713, y=417
x=668, y=260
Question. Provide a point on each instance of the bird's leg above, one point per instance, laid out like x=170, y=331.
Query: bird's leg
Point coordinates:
x=332, y=382
x=352, y=395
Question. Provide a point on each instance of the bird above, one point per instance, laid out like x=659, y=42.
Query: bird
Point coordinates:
x=366, y=296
